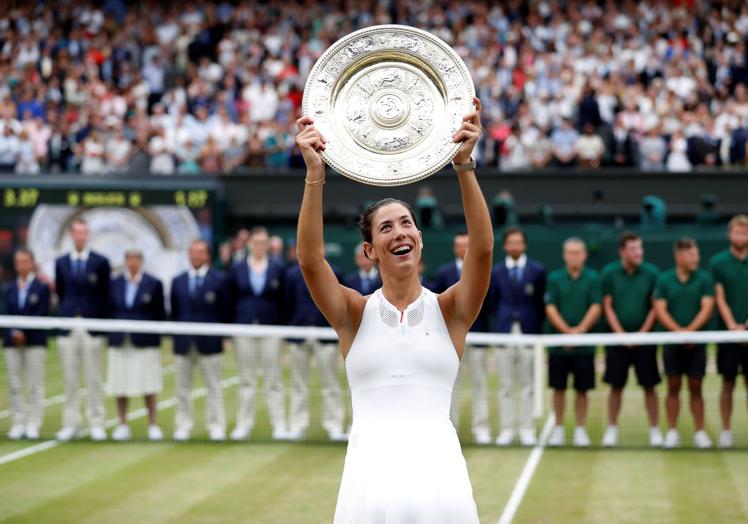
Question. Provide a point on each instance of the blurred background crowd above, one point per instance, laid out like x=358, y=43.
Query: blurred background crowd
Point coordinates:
x=116, y=87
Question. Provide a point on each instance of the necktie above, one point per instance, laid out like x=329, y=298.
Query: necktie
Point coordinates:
x=365, y=285
x=199, y=283
x=22, y=294
x=192, y=285
x=514, y=275
x=79, y=268
x=130, y=290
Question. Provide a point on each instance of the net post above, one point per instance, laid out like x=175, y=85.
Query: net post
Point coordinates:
x=538, y=370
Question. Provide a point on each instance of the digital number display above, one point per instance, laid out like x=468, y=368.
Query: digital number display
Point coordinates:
x=29, y=197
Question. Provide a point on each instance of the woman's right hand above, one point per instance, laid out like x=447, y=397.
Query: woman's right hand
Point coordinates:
x=311, y=142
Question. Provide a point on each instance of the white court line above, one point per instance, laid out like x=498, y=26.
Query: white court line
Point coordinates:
x=59, y=399
x=133, y=415
x=528, y=471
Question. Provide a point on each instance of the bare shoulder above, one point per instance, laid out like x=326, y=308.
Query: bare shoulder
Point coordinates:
x=347, y=333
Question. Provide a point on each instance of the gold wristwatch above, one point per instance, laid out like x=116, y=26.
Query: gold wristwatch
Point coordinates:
x=467, y=166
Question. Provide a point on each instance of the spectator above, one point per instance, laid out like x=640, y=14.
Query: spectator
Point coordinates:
x=564, y=143
x=92, y=155
x=677, y=160
x=9, y=150
x=590, y=147
x=652, y=150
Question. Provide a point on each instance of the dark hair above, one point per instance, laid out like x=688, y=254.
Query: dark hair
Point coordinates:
x=513, y=231
x=364, y=221
x=25, y=251
x=684, y=243
x=626, y=237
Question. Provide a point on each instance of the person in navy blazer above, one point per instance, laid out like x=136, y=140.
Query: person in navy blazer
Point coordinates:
x=199, y=295
x=25, y=349
x=82, y=284
x=257, y=289
x=516, y=298
x=303, y=312
x=135, y=358
x=477, y=355
x=365, y=279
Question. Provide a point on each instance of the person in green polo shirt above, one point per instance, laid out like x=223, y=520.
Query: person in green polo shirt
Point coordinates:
x=729, y=269
x=628, y=285
x=684, y=301
x=572, y=307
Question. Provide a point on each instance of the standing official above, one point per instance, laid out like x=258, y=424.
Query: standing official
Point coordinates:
x=516, y=299
x=365, y=279
x=25, y=349
x=684, y=300
x=572, y=307
x=628, y=285
x=305, y=313
x=729, y=269
x=257, y=287
x=199, y=295
x=82, y=284
x=135, y=358
x=477, y=356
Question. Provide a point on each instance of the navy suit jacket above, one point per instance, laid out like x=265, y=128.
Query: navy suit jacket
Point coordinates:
x=37, y=305
x=87, y=296
x=148, y=305
x=447, y=276
x=353, y=281
x=302, y=309
x=211, y=303
x=264, y=308
x=522, y=302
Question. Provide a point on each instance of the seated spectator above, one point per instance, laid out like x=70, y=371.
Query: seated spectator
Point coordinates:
x=211, y=159
x=118, y=152
x=514, y=154
x=539, y=149
x=652, y=150
x=564, y=142
x=162, y=160
x=590, y=147
x=677, y=160
x=92, y=155
x=26, y=161
x=9, y=148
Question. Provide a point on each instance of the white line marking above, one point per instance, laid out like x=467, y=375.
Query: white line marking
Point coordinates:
x=59, y=399
x=518, y=493
x=133, y=415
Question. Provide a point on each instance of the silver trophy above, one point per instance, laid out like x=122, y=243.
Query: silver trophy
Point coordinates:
x=388, y=99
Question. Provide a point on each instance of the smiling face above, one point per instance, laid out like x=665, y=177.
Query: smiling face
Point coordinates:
x=396, y=242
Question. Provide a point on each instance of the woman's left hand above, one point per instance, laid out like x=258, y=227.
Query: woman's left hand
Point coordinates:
x=468, y=134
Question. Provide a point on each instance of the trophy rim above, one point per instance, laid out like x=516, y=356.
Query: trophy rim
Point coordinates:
x=342, y=42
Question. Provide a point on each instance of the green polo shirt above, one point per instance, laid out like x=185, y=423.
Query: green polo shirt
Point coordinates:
x=684, y=298
x=631, y=292
x=572, y=297
x=728, y=270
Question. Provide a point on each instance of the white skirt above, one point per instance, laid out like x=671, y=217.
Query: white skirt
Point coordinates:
x=133, y=372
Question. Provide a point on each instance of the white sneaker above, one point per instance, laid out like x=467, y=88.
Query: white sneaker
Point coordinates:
x=558, y=437
x=672, y=439
x=527, y=438
x=65, y=434
x=610, y=438
x=16, y=432
x=655, y=437
x=581, y=438
x=32, y=433
x=97, y=434
x=181, y=434
x=293, y=434
x=217, y=434
x=155, y=434
x=505, y=438
x=701, y=440
x=241, y=432
x=337, y=436
x=725, y=439
x=120, y=433
x=482, y=436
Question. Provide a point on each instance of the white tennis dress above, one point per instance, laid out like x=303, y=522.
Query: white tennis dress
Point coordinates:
x=404, y=464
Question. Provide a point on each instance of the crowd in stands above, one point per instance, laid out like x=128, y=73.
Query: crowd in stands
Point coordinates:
x=214, y=87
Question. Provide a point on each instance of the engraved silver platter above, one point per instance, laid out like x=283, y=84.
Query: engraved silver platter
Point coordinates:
x=388, y=99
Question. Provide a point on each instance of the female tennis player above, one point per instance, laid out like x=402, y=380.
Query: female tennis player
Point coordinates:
x=402, y=346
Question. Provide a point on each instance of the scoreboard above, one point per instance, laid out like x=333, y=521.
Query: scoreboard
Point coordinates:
x=17, y=198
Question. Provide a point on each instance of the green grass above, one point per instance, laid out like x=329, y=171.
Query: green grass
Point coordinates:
x=266, y=483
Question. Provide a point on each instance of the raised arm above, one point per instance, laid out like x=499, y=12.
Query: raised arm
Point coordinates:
x=332, y=299
x=463, y=300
